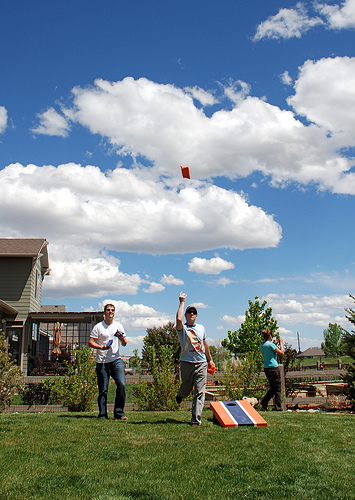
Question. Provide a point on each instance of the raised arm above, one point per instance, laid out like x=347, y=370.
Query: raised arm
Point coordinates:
x=180, y=311
x=280, y=350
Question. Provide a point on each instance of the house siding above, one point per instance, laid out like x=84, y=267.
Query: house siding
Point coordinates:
x=17, y=284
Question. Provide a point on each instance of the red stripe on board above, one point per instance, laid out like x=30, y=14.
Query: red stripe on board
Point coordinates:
x=259, y=421
x=222, y=414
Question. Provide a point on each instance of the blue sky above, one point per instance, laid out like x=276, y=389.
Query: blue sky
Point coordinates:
x=102, y=102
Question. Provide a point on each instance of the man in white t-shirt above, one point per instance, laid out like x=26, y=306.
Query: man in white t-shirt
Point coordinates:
x=106, y=337
x=195, y=354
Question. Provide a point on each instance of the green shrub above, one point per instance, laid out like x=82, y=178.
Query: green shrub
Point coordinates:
x=11, y=378
x=38, y=394
x=242, y=378
x=348, y=342
x=76, y=390
x=349, y=379
x=135, y=362
x=161, y=393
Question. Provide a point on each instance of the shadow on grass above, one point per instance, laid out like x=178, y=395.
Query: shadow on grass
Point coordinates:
x=132, y=422
x=142, y=495
x=162, y=421
x=75, y=415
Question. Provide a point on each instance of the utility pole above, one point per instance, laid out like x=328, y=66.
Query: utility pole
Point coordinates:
x=299, y=345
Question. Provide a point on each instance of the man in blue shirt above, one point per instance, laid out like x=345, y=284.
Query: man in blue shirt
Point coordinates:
x=195, y=355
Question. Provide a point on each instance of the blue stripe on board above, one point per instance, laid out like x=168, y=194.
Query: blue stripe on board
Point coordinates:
x=238, y=413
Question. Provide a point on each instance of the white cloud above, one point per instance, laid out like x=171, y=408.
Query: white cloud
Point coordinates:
x=287, y=23
x=205, y=98
x=162, y=124
x=316, y=310
x=171, y=280
x=339, y=16
x=288, y=333
x=285, y=78
x=154, y=288
x=223, y=281
x=232, y=320
x=293, y=23
x=237, y=91
x=136, y=316
x=88, y=277
x=136, y=341
x=200, y=305
x=51, y=123
x=127, y=210
x=209, y=266
x=325, y=95
x=3, y=119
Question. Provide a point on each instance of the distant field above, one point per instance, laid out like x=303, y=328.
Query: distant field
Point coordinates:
x=313, y=361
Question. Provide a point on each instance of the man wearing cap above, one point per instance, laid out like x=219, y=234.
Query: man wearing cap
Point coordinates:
x=195, y=355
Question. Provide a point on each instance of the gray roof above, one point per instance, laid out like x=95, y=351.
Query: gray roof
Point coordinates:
x=67, y=316
x=25, y=247
x=52, y=308
x=311, y=352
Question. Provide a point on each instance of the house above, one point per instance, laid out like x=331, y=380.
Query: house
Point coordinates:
x=23, y=266
x=312, y=352
x=29, y=327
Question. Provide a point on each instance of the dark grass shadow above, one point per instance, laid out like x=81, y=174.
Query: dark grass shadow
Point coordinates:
x=162, y=421
x=142, y=495
x=130, y=421
x=75, y=415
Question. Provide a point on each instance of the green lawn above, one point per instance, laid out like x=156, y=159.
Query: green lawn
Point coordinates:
x=313, y=361
x=158, y=456
x=112, y=392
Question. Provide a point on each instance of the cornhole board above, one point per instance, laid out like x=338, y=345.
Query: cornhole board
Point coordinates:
x=235, y=413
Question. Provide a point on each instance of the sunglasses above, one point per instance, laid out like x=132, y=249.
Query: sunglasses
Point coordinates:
x=191, y=312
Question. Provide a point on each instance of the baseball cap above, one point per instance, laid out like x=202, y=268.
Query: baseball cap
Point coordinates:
x=191, y=308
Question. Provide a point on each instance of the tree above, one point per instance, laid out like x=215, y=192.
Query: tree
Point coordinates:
x=162, y=336
x=288, y=360
x=349, y=349
x=77, y=388
x=247, y=338
x=11, y=378
x=135, y=362
x=160, y=394
x=349, y=338
x=242, y=378
x=220, y=355
x=333, y=340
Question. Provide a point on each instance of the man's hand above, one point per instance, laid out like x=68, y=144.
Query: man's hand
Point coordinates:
x=182, y=296
x=119, y=335
x=180, y=311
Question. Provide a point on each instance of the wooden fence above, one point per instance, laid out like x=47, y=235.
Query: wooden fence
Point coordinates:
x=318, y=387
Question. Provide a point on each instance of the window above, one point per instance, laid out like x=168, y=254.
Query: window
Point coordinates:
x=34, y=331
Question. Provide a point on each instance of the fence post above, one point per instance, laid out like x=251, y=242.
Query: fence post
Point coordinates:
x=283, y=387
